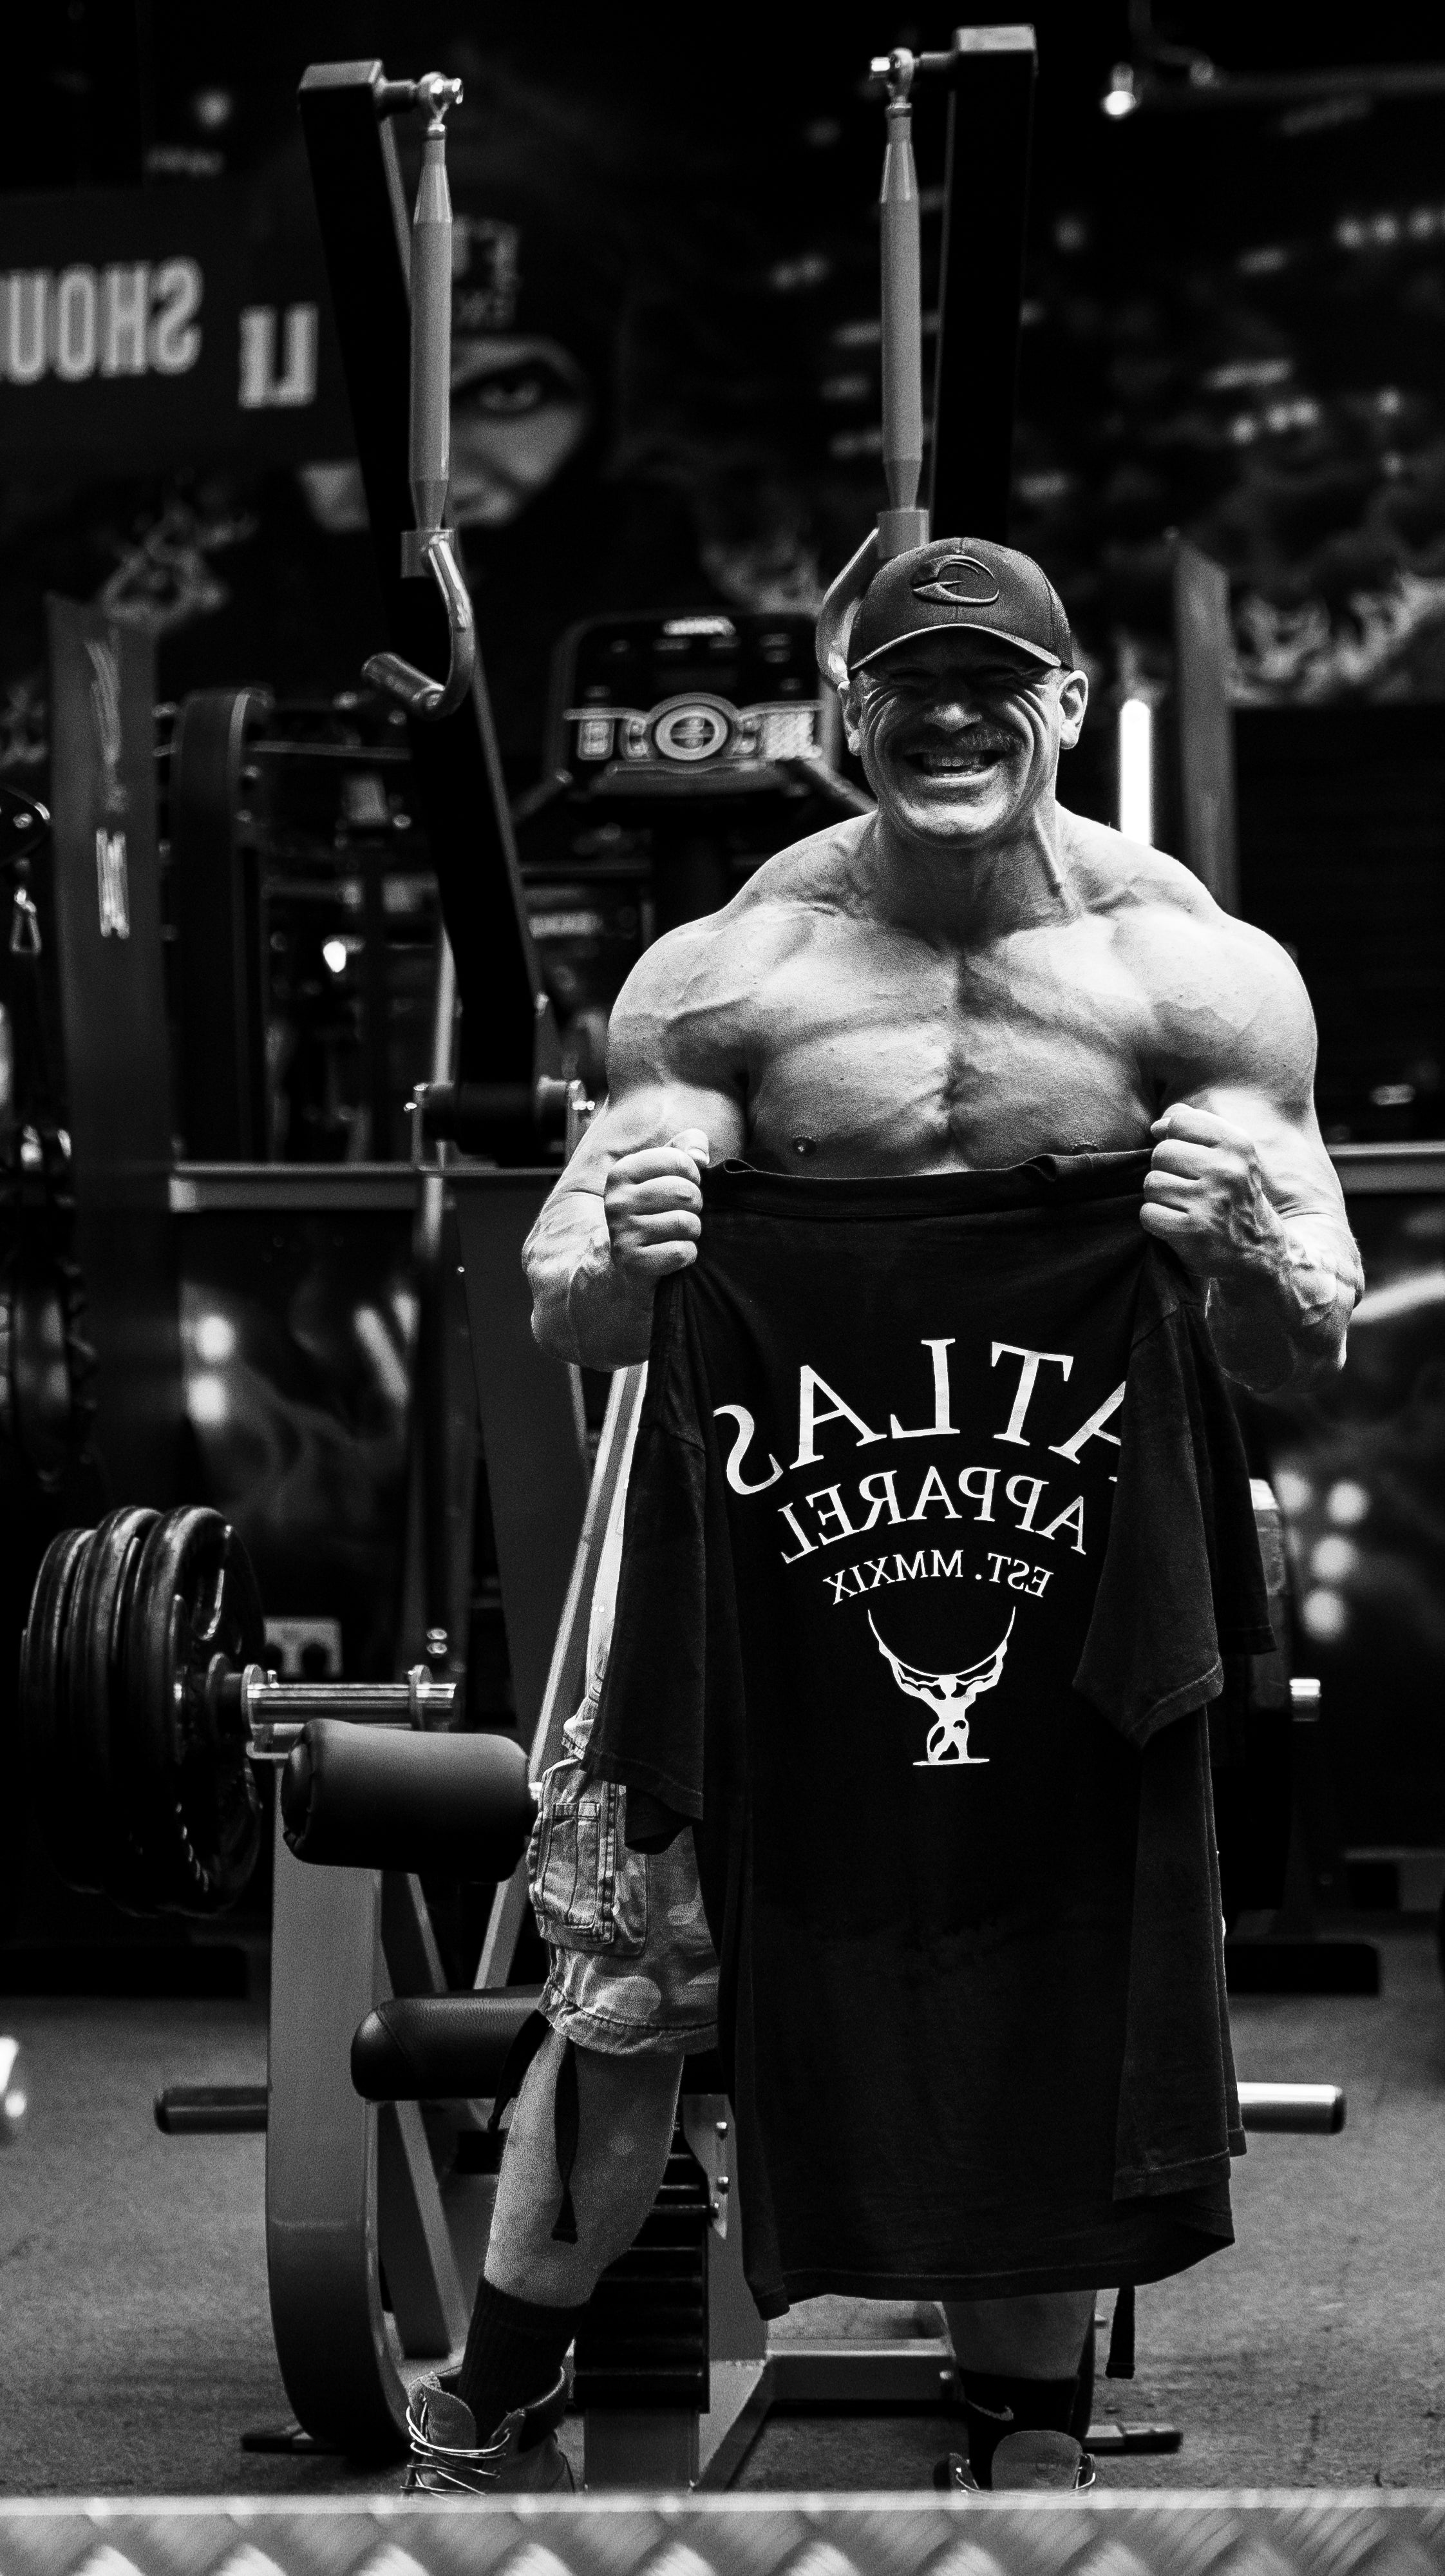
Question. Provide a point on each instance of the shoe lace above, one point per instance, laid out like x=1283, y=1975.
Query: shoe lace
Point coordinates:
x=452, y=2464
x=433, y=2477
x=952, y=2473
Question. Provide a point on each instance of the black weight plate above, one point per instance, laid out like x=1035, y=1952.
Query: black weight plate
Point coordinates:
x=194, y=1598
x=150, y=1714
x=44, y=1654
x=95, y=1808
x=219, y=1800
x=95, y=1673
x=147, y=1725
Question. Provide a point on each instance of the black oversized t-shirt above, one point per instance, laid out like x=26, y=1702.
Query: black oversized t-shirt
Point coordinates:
x=937, y=1528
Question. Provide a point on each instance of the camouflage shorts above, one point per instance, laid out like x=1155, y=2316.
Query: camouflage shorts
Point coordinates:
x=632, y=1970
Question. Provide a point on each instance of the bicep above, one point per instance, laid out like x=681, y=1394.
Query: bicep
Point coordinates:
x=651, y=1114
x=1285, y=1133
x=1250, y=1060
x=666, y=1071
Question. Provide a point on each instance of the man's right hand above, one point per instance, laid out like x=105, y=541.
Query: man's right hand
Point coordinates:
x=653, y=1205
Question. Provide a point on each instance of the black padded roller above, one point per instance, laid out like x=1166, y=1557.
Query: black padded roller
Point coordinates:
x=453, y=2048
x=373, y=1798
x=439, y=2048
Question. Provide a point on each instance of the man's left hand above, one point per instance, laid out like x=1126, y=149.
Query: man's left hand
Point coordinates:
x=1204, y=1195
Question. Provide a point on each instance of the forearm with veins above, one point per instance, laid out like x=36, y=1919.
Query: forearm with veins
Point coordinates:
x=1284, y=1317
x=581, y=1310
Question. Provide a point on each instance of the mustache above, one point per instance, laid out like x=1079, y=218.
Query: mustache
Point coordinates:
x=979, y=738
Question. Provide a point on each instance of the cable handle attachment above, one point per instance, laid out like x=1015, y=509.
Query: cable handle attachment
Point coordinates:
x=429, y=548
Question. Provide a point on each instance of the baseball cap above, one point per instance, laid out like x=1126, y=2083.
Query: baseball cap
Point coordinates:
x=967, y=583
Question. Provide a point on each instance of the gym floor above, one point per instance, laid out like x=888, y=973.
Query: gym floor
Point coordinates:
x=137, y=2340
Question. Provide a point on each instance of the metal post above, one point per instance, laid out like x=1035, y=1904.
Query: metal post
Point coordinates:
x=902, y=524
x=536, y=1466
x=567, y=1670
x=215, y=831
x=430, y=421
x=1203, y=645
x=990, y=124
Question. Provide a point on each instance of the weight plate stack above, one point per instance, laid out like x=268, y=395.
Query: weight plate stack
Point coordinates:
x=194, y=1617
x=44, y=1704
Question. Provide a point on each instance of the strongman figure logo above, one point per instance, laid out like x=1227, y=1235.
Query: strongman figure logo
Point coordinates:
x=951, y=1695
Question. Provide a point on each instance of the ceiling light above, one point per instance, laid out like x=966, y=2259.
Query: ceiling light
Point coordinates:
x=1136, y=770
x=1122, y=95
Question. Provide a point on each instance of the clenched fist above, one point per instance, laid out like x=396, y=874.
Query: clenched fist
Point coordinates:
x=1204, y=1195
x=653, y=1205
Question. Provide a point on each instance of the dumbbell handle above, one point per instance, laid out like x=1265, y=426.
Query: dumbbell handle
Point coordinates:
x=1309, y=2110
x=275, y=1711
x=14, y=2102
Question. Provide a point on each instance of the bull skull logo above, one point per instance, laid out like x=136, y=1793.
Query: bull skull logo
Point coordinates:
x=949, y=1695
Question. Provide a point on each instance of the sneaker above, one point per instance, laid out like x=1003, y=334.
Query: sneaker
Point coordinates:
x=953, y=2476
x=523, y=2456
x=1039, y=2463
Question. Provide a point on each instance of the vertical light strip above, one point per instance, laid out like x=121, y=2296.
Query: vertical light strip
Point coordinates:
x=1136, y=769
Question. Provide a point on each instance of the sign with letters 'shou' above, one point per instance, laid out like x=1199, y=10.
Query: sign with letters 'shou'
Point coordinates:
x=143, y=327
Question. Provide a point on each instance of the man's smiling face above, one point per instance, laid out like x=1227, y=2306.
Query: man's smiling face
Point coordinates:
x=959, y=734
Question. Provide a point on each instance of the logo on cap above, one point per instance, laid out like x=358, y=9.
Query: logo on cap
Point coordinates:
x=959, y=581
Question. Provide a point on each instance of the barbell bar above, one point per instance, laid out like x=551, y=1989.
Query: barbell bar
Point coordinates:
x=274, y=1709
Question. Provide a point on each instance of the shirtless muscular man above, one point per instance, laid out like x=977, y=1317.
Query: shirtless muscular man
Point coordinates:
x=968, y=977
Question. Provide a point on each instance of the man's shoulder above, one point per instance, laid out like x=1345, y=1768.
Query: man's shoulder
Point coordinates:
x=1123, y=876
x=766, y=913
x=1223, y=1002
x=717, y=961
x=1165, y=918
x=817, y=869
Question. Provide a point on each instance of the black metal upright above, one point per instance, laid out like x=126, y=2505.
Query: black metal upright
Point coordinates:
x=106, y=879
x=216, y=901
x=990, y=129
x=507, y=1029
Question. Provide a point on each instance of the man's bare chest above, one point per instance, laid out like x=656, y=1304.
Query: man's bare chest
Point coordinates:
x=944, y=1068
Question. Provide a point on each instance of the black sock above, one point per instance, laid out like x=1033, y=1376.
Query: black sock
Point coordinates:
x=514, y=2352
x=996, y=2406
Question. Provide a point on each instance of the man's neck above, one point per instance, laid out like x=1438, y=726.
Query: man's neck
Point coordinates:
x=968, y=894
